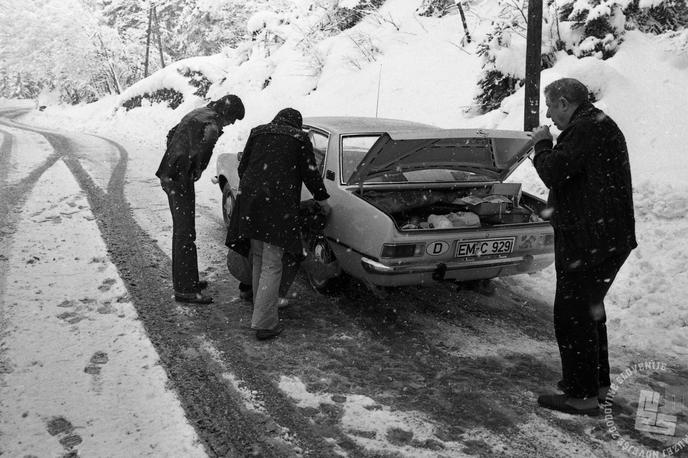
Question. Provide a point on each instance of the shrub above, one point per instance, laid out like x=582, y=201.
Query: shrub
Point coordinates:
x=436, y=8
x=668, y=16
x=494, y=86
x=172, y=97
x=601, y=29
x=198, y=80
x=345, y=18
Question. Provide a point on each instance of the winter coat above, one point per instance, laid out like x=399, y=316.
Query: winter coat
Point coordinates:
x=589, y=180
x=189, y=147
x=277, y=160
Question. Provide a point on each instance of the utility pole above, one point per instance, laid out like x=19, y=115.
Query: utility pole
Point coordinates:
x=148, y=35
x=531, y=107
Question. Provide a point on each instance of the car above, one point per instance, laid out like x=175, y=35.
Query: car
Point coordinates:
x=416, y=204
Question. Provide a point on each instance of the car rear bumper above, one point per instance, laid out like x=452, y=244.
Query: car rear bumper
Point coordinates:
x=412, y=274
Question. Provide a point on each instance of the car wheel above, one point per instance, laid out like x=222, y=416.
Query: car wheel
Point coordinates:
x=228, y=203
x=323, y=274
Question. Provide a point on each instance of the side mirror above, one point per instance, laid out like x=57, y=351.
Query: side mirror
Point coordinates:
x=239, y=154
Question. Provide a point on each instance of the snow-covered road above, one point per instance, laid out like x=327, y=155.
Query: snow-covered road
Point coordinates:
x=96, y=358
x=79, y=368
x=76, y=366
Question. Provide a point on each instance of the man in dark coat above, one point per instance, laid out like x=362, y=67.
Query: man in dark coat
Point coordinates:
x=276, y=161
x=189, y=148
x=590, y=195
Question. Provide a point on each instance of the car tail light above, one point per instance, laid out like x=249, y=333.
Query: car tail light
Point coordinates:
x=535, y=241
x=402, y=250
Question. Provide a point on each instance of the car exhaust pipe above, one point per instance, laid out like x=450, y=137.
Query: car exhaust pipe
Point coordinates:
x=526, y=264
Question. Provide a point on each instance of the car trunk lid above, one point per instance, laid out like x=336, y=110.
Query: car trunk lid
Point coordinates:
x=497, y=152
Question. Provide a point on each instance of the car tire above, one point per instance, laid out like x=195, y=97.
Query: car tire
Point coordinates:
x=320, y=252
x=228, y=203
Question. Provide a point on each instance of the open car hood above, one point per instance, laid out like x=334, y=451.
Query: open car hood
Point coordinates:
x=493, y=152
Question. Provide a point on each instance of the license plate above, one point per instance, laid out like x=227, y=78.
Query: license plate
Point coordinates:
x=484, y=247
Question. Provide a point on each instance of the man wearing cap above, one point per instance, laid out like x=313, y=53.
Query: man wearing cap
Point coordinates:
x=589, y=179
x=189, y=148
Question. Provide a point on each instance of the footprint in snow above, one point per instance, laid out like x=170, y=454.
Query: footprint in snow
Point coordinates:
x=60, y=426
x=98, y=359
x=70, y=317
x=93, y=368
x=107, y=284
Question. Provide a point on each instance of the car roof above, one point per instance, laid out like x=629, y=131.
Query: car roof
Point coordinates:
x=357, y=124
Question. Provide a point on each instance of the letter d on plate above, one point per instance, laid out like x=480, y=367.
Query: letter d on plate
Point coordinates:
x=436, y=248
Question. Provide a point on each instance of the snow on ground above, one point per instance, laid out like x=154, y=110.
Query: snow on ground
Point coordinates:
x=28, y=152
x=641, y=88
x=423, y=74
x=77, y=365
x=387, y=431
x=370, y=424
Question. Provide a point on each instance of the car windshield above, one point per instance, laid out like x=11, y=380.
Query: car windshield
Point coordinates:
x=354, y=149
x=427, y=176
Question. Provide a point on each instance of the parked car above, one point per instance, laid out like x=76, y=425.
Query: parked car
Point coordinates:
x=416, y=204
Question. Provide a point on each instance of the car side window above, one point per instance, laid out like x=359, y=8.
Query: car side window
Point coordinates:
x=319, y=142
x=354, y=149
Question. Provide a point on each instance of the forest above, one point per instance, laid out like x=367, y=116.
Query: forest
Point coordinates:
x=82, y=50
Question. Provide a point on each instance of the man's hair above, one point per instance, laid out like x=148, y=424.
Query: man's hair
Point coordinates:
x=570, y=88
x=229, y=107
x=290, y=117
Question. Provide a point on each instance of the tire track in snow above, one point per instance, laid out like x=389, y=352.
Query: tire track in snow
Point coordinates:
x=214, y=409
x=13, y=196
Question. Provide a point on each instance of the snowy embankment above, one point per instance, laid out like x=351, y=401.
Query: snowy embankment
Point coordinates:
x=422, y=75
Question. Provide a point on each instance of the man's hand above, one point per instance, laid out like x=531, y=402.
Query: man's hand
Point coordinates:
x=325, y=205
x=540, y=133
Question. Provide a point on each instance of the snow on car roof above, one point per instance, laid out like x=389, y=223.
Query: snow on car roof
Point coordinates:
x=355, y=124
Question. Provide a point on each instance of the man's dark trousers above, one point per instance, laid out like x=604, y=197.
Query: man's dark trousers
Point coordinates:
x=580, y=326
x=182, y=200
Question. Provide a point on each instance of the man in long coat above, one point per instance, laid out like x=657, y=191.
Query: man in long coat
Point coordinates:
x=589, y=180
x=276, y=161
x=189, y=148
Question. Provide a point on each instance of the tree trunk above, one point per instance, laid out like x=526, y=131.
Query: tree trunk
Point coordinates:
x=157, y=32
x=531, y=108
x=148, y=34
x=463, y=21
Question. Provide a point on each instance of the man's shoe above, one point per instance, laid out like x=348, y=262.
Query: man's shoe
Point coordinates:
x=193, y=298
x=601, y=394
x=559, y=403
x=265, y=334
x=202, y=284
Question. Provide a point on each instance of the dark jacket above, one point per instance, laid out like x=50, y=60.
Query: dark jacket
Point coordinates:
x=277, y=160
x=189, y=146
x=589, y=178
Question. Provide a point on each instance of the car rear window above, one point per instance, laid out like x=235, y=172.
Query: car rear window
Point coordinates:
x=427, y=176
x=354, y=149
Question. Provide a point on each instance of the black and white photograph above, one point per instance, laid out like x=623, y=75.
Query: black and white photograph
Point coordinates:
x=343, y=228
